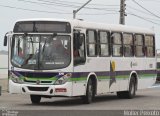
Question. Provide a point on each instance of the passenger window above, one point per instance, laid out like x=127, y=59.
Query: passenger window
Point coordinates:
x=91, y=43
x=116, y=44
x=149, y=46
x=128, y=44
x=104, y=43
x=139, y=45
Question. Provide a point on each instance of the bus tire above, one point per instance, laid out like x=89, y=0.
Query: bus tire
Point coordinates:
x=132, y=89
x=131, y=92
x=35, y=99
x=90, y=94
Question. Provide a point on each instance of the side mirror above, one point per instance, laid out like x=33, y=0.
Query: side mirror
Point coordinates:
x=6, y=38
x=5, y=41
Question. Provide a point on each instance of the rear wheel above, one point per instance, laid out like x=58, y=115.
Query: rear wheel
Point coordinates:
x=131, y=92
x=90, y=94
x=132, y=89
x=35, y=99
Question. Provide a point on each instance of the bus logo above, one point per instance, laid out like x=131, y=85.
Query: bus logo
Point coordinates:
x=38, y=82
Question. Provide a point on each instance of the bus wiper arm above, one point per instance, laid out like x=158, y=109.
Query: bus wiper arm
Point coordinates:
x=54, y=35
x=44, y=46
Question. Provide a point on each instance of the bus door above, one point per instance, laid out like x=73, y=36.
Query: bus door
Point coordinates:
x=79, y=57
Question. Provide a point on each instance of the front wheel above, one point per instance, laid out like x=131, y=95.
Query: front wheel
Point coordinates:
x=90, y=94
x=35, y=99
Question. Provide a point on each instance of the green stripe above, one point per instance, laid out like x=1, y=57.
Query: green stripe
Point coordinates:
x=118, y=77
x=103, y=77
x=78, y=79
x=147, y=75
x=122, y=76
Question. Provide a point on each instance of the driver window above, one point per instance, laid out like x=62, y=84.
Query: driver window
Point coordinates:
x=19, y=46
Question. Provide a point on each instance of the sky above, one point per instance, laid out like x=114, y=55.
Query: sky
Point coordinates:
x=141, y=13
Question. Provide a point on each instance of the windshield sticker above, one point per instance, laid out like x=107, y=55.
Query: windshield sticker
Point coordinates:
x=31, y=61
x=59, y=62
x=54, y=63
x=49, y=63
x=17, y=60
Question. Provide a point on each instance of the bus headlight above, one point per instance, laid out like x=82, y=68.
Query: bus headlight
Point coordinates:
x=63, y=79
x=16, y=79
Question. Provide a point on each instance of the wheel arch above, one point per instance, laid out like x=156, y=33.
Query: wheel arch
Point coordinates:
x=94, y=78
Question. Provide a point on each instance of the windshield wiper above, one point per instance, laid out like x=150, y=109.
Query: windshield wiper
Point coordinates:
x=54, y=35
x=44, y=46
x=30, y=55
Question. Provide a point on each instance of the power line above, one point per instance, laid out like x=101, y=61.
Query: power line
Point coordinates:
x=79, y=3
x=98, y=14
x=41, y=4
x=66, y=5
x=51, y=12
x=33, y=10
x=49, y=3
x=143, y=18
x=138, y=10
x=75, y=6
x=151, y=0
x=143, y=13
x=146, y=9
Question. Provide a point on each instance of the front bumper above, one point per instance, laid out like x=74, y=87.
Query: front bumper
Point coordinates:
x=48, y=90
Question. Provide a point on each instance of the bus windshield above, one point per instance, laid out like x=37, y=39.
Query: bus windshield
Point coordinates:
x=41, y=52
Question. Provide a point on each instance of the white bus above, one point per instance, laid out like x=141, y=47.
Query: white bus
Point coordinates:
x=50, y=57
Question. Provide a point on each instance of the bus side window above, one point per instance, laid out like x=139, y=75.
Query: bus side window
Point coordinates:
x=91, y=43
x=104, y=43
x=128, y=44
x=149, y=46
x=117, y=49
x=79, y=49
x=139, y=45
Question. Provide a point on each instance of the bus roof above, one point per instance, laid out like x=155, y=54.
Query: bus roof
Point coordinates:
x=94, y=25
x=113, y=27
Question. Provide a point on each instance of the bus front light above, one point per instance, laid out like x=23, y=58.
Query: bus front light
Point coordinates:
x=16, y=79
x=63, y=79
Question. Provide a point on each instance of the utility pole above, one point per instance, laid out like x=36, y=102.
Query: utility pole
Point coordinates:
x=76, y=11
x=122, y=12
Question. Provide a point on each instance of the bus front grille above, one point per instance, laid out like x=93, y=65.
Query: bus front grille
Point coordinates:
x=38, y=88
x=41, y=82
